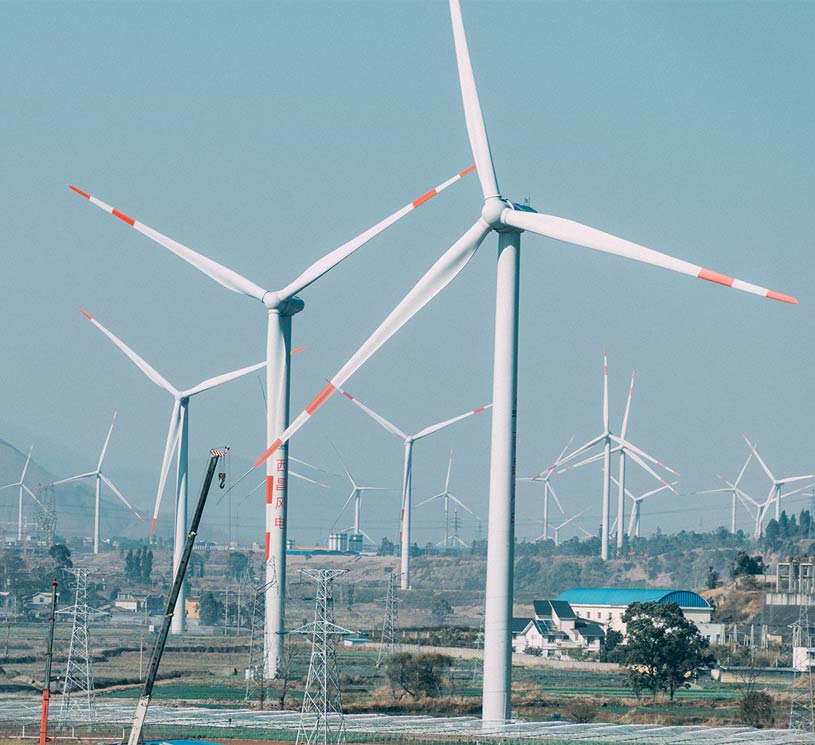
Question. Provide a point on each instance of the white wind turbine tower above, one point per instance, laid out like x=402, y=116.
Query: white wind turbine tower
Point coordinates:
x=777, y=484
x=177, y=434
x=543, y=477
x=563, y=525
x=612, y=443
x=447, y=496
x=509, y=220
x=734, y=492
x=98, y=478
x=280, y=305
x=407, y=472
x=356, y=495
x=762, y=508
x=634, y=521
x=23, y=488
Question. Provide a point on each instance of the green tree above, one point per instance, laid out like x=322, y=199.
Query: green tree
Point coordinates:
x=210, y=610
x=146, y=565
x=417, y=675
x=237, y=564
x=440, y=609
x=745, y=564
x=663, y=648
x=61, y=555
x=712, y=578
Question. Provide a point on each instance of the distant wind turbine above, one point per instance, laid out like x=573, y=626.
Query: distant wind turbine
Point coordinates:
x=23, y=488
x=98, y=478
x=447, y=497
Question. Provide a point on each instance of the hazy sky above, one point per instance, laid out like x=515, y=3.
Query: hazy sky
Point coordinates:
x=263, y=135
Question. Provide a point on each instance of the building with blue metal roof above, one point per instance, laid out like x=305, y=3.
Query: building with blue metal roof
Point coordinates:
x=606, y=605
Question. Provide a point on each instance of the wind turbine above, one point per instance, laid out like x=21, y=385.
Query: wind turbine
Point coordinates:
x=280, y=305
x=98, y=478
x=177, y=434
x=564, y=524
x=356, y=495
x=777, y=484
x=733, y=490
x=634, y=522
x=407, y=472
x=447, y=496
x=509, y=220
x=612, y=443
x=23, y=488
x=543, y=477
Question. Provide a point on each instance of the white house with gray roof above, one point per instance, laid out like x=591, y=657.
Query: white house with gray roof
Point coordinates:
x=555, y=629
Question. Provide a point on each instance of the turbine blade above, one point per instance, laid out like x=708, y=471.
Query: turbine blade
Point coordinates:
x=306, y=478
x=144, y=366
x=476, y=131
x=582, y=235
x=645, y=467
x=430, y=499
x=555, y=496
x=574, y=454
x=32, y=495
x=223, y=276
x=793, y=479
x=630, y=447
x=760, y=460
x=72, y=478
x=461, y=504
x=656, y=491
x=449, y=468
x=330, y=260
x=309, y=465
x=605, y=391
x=586, y=461
x=107, y=440
x=627, y=407
x=743, y=469
x=380, y=420
x=433, y=282
x=173, y=433
x=573, y=517
x=565, y=448
x=344, y=467
x=120, y=495
x=219, y=379
x=447, y=422
x=27, y=461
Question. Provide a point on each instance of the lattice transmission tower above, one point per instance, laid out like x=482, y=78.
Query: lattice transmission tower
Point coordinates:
x=78, y=698
x=255, y=679
x=391, y=632
x=321, y=718
x=802, y=713
x=46, y=519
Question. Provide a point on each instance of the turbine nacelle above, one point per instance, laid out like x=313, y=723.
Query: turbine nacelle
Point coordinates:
x=285, y=306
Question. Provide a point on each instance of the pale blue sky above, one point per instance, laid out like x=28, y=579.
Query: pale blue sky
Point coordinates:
x=264, y=135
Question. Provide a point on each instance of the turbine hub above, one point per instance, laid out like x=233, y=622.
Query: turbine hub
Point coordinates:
x=285, y=306
x=491, y=213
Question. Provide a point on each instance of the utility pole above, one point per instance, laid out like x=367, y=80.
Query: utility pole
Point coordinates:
x=78, y=692
x=391, y=633
x=321, y=718
x=802, y=714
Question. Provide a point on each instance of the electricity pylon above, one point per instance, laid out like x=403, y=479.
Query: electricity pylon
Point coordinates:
x=391, y=633
x=802, y=714
x=255, y=679
x=78, y=698
x=321, y=718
